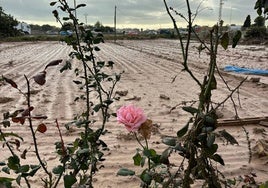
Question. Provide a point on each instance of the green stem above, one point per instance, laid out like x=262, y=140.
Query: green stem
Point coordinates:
x=149, y=160
x=139, y=141
x=27, y=182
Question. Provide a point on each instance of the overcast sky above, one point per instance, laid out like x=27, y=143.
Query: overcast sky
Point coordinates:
x=132, y=13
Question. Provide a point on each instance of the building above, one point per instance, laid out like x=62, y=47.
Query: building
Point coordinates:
x=24, y=27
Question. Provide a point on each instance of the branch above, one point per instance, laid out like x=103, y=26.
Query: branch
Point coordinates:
x=236, y=88
x=184, y=50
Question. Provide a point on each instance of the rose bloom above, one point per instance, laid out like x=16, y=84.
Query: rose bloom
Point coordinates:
x=132, y=117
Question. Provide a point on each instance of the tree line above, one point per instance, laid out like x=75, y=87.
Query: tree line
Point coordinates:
x=7, y=23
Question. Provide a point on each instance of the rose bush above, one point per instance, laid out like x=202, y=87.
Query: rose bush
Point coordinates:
x=132, y=117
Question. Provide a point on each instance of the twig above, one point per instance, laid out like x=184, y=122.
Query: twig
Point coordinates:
x=249, y=144
x=232, y=92
x=6, y=142
x=226, y=84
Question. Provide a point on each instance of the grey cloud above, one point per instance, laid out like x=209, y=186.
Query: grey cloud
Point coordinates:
x=135, y=12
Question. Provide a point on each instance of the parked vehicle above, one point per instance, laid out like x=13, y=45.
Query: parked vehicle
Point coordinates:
x=66, y=33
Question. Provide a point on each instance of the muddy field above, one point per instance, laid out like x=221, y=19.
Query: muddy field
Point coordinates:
x=149, y=67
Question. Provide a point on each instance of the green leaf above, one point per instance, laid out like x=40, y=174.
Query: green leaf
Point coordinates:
x=225, y=40
x=34, y=168
x=236, y=38
x=24, y=168
x=18, y=179
x=169, y=141
x=69, y=180
x=56, y=14
x=6, y=182
x=6, y=170
x=13, y=162
x=80, y=5
x=213, y=149
x=228, y=137
x=83, y=151
x=108, y=101
x=6, y=123
x=218, y=159
x=258, y=4
x=143, y=160
x=77, y=82
x=146, y=177
x=110, y=64
x=2, y=163
x=53, y=3
x=213, y=84
x=67, y=66
x=97, y=107
x=183, y=131
x=210, y=140
x=65, y=18
x=125, y=172
x=96, y=48
x=149, y=153
x=137, y=159
x=100, y=64
x=165, y=155
x=58, y=170
x=210, y=121
x=259, y=11
x=190, y=109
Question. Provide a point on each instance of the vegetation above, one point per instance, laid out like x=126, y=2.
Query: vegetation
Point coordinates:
x=258, y=29
x=247, y=22
x=261, y=6
x=7, y=23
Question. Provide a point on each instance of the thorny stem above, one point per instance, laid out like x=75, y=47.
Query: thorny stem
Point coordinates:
x=175, y=174
x=184, y=49
x=204, y=100
x=93, y=72
x=75, y=23
x=33, y=133
x=249, y=146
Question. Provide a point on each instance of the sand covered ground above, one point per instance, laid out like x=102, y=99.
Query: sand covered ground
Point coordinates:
x=149, y=67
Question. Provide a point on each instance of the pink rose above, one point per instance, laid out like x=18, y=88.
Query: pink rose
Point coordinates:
x=131, y=116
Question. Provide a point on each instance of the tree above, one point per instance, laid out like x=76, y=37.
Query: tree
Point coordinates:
x=247, y=22
x=258, y=29
x=262, y=8
x=7, y=23
x=98, y=24
x=259, y=21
